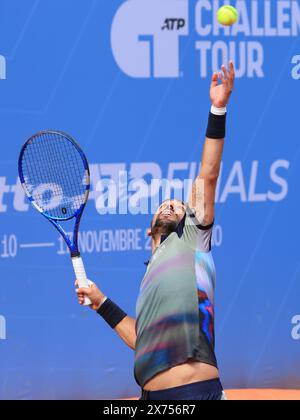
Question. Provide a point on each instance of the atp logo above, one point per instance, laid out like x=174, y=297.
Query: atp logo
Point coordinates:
x=145, y=37
x=173, y=24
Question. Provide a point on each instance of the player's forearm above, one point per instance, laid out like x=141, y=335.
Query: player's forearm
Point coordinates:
x=126, y=331
x=211, y=160
x=214, y=145
x=210, y=167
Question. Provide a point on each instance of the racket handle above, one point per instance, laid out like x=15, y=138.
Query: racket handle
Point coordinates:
x=81, y=276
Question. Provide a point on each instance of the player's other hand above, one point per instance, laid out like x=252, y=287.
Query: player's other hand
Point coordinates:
x=220, y=93
x=93, y=293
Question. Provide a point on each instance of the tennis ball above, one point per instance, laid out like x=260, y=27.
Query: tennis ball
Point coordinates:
x=227, y=15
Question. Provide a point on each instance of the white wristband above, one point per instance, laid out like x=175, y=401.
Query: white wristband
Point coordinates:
x=218, y=111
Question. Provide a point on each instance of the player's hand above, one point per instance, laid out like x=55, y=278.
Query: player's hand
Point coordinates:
x=220, y=93
x=93, y=293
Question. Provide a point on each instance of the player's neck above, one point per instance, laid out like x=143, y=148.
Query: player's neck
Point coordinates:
x=156, y=241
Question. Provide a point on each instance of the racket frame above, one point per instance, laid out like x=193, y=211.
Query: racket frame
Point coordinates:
x=71, y=243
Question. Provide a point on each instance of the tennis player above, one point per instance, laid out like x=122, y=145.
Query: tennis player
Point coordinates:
x=173, y=334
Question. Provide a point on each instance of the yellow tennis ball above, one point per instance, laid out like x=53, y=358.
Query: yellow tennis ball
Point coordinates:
x=227, y=15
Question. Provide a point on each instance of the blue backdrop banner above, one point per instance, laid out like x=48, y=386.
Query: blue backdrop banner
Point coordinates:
x=129, y=80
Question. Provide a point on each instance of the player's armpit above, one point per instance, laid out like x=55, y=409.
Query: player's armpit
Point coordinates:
x=202, y=201
x=196, y=201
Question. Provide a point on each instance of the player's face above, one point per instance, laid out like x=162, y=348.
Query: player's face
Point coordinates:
x=169, y=213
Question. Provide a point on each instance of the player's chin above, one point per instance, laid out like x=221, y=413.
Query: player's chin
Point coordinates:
x=169, y=218
x=174, y=219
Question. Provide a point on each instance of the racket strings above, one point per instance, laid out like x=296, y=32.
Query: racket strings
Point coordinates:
x=55, y=175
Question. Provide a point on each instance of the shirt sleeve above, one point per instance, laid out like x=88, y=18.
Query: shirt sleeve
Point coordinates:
x=194, y=234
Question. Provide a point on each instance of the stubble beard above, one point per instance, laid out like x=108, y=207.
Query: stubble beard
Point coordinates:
x=164, y=227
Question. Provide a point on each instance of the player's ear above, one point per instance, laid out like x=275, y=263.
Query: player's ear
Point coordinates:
x=149, y=232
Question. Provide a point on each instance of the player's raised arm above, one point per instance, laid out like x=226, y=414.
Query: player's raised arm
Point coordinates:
x=202, y=199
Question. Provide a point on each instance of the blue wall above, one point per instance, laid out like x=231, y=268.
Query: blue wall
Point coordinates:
x=141, y=105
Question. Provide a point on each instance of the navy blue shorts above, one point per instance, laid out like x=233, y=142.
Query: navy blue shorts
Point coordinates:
x=199, y=391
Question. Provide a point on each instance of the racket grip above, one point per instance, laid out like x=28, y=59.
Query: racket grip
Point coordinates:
x=81, y=276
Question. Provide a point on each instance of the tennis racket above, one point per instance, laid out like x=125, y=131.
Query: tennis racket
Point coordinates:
x=55, y=176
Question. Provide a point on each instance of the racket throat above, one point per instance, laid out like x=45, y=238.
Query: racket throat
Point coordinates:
x=75, y=254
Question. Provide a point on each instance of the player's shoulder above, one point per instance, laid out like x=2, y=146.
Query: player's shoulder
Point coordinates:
x=193, y=220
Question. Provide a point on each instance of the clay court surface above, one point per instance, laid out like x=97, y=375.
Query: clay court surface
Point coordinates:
x=262, y=395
